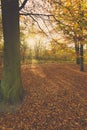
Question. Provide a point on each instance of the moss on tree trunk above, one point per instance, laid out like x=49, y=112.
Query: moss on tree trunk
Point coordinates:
x=11, y=86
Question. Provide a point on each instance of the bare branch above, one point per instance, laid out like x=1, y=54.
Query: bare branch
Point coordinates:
x=36, y=14
x=23, y=4
x=38, y=24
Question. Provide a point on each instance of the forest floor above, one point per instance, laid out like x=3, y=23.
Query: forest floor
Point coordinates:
x=56, y=99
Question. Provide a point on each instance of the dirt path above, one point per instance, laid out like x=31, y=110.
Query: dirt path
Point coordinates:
x=56, y=100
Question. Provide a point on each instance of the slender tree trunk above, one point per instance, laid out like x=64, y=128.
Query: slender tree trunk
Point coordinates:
x=11, y=86
x=81, y=37
x=81, y=58
x=77, y=54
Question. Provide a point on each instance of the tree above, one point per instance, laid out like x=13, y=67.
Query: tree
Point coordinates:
x=11, y=85
x=71, y=19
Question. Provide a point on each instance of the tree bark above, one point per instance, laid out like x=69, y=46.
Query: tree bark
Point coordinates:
x=77, y=54
x=11, y=86
x=81, y=58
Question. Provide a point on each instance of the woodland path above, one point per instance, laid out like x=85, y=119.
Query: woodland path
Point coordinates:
x=56, y=99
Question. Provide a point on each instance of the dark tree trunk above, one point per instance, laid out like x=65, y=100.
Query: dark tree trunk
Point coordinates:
x=11, y=86
x=81, y=58
x=77, y=54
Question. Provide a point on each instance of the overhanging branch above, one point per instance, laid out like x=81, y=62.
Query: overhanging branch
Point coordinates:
x=38, y=25
x=23, y=4
x=35, y=14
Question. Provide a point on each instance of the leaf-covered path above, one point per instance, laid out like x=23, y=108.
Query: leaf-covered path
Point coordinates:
x=56, y=99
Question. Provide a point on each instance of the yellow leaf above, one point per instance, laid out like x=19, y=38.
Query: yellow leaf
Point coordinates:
x=75, y=25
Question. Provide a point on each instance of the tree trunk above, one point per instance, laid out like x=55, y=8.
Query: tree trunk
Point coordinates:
x=11, y=86
x=81, y=58
x=77, y=54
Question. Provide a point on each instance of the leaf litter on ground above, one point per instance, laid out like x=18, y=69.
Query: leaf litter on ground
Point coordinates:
x=56, y=99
